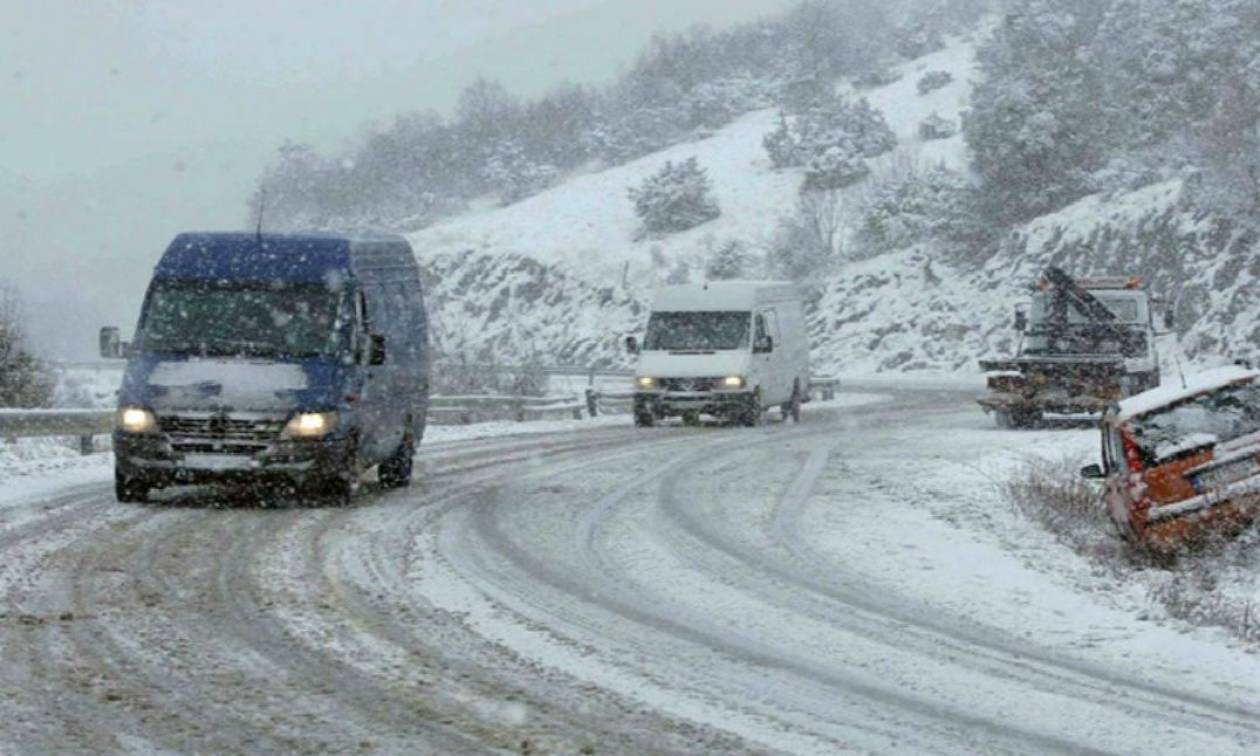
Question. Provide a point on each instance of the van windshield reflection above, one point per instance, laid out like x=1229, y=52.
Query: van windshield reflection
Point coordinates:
x=697, y=331
x=289, y=320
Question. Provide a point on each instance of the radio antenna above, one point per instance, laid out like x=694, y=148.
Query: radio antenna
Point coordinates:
x=262, y=204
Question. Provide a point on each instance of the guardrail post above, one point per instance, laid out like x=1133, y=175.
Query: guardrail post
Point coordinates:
x=86, y=446
x=518, y=406
x=592, y=403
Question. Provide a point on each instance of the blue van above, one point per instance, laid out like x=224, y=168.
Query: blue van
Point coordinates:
x=298, y=359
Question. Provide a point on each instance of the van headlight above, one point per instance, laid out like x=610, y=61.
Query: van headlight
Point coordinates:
x=310, y=425
x=733, y=382
x=136, y=420
x=645, y=383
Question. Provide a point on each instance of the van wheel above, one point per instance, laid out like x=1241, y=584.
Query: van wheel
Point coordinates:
x=751, y=416
x=644, y=419
x=395, y=472
x=129, y=490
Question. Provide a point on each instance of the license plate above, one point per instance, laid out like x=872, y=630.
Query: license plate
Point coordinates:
x=216, y=462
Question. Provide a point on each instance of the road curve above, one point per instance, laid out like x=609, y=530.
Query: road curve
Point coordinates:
x=613, y=590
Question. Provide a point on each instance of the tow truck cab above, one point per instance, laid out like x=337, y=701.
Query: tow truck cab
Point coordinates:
x=301, y=359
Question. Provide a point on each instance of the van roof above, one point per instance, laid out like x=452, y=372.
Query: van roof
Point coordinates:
x=296, y=258
x=723, y=295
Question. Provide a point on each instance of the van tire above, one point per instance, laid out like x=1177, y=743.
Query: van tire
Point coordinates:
x=395, y=472
x=129, y=490
x=750, y=417
x=644, y=419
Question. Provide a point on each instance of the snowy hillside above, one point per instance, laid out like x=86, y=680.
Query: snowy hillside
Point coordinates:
x=586, y=228
x=562, y=273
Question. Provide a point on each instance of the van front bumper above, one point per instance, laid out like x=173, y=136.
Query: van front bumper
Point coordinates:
x=151, y=457
x=673, y=403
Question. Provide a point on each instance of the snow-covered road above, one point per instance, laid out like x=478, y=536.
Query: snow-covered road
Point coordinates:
x=845, y=584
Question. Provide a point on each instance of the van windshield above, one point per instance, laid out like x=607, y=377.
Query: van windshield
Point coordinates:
x=229, y=319
x=1205, y=421
x=697, y=331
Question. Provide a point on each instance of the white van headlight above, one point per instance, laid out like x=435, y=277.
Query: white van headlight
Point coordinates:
x=645, y=382
x=136, y=420
x=733, y=382
x=310, y=425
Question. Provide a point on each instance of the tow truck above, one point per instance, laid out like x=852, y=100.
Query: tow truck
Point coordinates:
x=1084, y=344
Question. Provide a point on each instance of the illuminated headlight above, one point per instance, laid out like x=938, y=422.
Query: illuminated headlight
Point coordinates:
x=310, y=425
x=645, y=382
x=733, y=382
x=136, y=420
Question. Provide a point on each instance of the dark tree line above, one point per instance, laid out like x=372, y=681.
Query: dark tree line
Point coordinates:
x=425, y=165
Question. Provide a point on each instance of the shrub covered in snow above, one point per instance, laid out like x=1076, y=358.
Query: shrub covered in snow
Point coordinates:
x=676, y=198
x=937, y=127
x=934, y=80
x=835, y=167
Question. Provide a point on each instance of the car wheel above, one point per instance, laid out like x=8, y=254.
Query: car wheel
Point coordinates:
x=395, y=472
x=130, y=490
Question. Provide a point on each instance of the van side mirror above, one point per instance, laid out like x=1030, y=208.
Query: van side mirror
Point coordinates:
x=632, y=345
x=765, y=346
x=376, y=355
x=1093, y=472
x=1021, y=321
x=1170, y=319
x=111, y=343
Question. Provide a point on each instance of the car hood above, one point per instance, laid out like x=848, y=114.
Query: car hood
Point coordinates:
x=693, y=365
x=226, y=384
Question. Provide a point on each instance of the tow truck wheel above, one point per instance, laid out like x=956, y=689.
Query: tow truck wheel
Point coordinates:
x=130, y=490
x=691, y=418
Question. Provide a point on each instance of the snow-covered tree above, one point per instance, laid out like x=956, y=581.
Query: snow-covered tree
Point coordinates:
x=514, y=175
x=676, y=198
x=827, y=135
x=1038, y=125
x=808, y=241
x=25, y=380
x=908, y=203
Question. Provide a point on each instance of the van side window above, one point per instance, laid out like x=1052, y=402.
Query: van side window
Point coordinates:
x=759, y=329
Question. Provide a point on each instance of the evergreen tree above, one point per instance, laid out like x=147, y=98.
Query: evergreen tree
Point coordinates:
x=676, y=198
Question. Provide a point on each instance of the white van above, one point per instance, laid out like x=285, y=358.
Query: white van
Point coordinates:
x=730, y=349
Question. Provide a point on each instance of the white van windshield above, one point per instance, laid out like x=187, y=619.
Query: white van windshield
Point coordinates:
x=697, y=331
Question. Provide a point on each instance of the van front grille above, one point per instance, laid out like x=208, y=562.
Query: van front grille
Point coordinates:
x=220, y=434
x=690, y=384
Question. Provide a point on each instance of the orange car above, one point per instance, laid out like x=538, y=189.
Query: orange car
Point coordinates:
x=1183, y=460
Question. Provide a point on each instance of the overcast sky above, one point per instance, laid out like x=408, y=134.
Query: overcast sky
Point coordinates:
x=124, y=122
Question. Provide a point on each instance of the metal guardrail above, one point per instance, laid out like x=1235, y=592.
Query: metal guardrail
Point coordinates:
x=87, y=423
x=84, y=423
